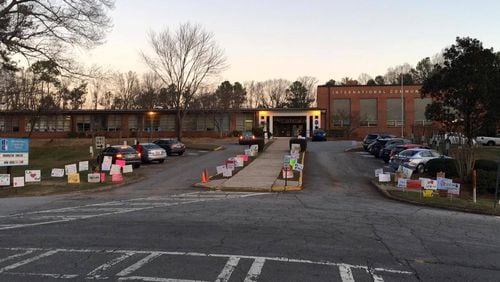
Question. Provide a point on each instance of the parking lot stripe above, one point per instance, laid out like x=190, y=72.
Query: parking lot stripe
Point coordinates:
x=255, y=270
x=156, y=279
x=50, y=275
x=228, y=269
x=139, y=264
x=26, y=261
x=16, y=256
x=345, y=273
x=95, y=274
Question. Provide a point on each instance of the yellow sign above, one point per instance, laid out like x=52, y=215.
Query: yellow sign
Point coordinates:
x=74, y=178
x=427, y=193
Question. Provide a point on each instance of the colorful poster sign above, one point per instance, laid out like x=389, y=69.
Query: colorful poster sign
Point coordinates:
x=442, y=183
x=18, y=181
x=4, y=179
x=431, y=185
x=379, y=171
x=74, y=178
x=57, y=172
x=427, y=193
x=120, y=162
x=407, y=172
x=230, y=164
x=238, y=162
x=227, y=172
x=71, y=168
x=103, y=177
x=32, y=175
x=14, y=151
x=248, y=152
x=453, y=188
x=254, y=147
x=295, y=147
x=287, y=173
x=423, y=181
x=413, y=184
x=106, y=163
x=244, y=157
x=402, y=183
x=93, y=178
x=128, y=169
x=83, y=166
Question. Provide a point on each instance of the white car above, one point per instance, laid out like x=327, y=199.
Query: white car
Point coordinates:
x=452, y=138
x=488, y=141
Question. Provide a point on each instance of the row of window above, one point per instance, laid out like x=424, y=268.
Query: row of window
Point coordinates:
x=368, y=112
x=156, y=122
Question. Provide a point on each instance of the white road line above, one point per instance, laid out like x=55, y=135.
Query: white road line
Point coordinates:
x=51, y=275
x=345, y=273
x=255, y=270
x=139, y=264
x=228, y=269
x=156, y=279
x=16, y=255
x=26, y=261
x=95, y=274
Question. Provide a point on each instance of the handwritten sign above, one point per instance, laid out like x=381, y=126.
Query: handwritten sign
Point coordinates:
x=287, y=173
x=431, y=185
x=379, y=171
x=442, y=183
x=423, y=181
x=413, y=184
x=83, y=166
x=238, y=162
x=227, y=172
x=248, y=152
x=244, y=157
x=93, y=178
x=128, y=169
x=73, y=178
x=220, y=169
x=254, y=147
x=70, y=168
x=57, y=172
x=453, y=188
x=230, y=164
x=384, y=177
x=299, y=167
x=427, y=193
x=121, y=163
x=115, y=169
x=103, y=177
x=4, y=179
x=18, y=181
x=407, y=172
x=32, y=176
x=295, y=147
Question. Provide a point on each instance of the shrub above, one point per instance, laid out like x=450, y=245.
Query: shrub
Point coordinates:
x=260, y=142
x=486, y=181
x=448, y=166
x=485, y=165
x=258, y=131
x=236, y=133
x=302, y=142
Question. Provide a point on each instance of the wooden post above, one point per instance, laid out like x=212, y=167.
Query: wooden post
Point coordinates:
x=474, y=185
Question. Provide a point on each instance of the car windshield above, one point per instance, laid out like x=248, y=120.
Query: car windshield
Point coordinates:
x=246, y=134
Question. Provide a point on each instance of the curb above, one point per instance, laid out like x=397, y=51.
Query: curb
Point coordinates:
x=388, y=195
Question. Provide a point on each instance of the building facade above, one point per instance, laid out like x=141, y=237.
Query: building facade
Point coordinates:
x=357, y=110
x=157, y=123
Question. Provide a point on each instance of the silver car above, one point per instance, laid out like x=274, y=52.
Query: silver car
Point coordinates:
x=151, y=152
x=415, y=159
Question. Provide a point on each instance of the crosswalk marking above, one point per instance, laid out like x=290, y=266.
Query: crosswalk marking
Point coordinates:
x=66, y=214
x=128, y=269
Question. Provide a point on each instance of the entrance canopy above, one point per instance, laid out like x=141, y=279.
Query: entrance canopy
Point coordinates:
x=290, y=122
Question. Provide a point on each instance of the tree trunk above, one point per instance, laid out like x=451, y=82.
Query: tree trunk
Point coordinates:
x=179, y=116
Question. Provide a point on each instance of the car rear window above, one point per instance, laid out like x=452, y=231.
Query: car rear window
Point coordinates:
x=126, y=150
x=408, y=153
x=372, y=136
x=150, y=146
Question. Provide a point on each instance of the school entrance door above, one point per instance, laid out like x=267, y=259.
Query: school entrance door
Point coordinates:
x=289, y=126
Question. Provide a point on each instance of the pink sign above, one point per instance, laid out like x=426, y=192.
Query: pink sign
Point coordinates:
x=244, y=157
x=117, y=177
x=120, y=162
x=103, y=177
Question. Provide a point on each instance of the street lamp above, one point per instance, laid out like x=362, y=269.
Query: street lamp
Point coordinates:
x=151, y=116
x=402, y=109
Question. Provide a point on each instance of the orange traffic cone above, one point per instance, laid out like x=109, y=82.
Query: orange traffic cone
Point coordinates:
x=204, y=176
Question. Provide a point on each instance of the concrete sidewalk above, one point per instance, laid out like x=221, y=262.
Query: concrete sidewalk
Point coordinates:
x=261, y=174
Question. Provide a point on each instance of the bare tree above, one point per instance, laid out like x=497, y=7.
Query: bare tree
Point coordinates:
x=46, y=29
x=275, y=90
x=311, y=84
x=185, y=59
x=364, y=78
x=255, y=94
x=127, y=89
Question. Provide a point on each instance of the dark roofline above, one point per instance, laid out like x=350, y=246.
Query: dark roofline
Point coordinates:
x=385, y=85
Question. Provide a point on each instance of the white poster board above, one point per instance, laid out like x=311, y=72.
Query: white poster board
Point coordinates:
x=227, y=172
x=18, y=181
x=220, y=169
x=106, y=163
x=115, y=169
x=94, y=178
x=299, y=167
x=128, y=169
x=4, y=179
x=407, y=172
x=83, y=166
x=379, y=171
x=402, y=182
x=70, y=168
x=32, y=175
x=57, y=172
x=384, y=177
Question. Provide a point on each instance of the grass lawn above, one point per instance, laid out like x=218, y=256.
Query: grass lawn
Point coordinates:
x=483, y=205
x=44, y=157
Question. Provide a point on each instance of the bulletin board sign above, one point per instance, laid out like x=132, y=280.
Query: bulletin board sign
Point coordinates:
x=14, y=151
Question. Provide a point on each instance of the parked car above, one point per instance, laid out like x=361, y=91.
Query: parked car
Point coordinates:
x=121, y=152
x=370, y=138
x=415, y=159
x=385, y=152
x=171, y=146
x=246, y=138
x=319, y=135
x=151, y=152
x=378, y=145
x=489, y=141
x=399, y=148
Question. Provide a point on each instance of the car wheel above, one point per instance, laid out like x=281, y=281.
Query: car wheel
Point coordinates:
x=490, y=143
x=420, y=168
x=161, y=161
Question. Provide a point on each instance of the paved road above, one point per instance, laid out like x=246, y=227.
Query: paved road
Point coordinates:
x=337, y=229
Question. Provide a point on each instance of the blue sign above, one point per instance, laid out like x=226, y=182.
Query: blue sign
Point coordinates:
x=14, y=145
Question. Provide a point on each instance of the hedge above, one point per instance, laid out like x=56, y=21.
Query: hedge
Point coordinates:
x=448, y=166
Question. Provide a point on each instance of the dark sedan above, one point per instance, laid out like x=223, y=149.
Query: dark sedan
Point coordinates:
x=246, y=138
x=319, y=135
x=121, y=152
x=172, y=146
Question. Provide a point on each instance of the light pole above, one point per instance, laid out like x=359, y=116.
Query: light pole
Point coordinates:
x=402, y=109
